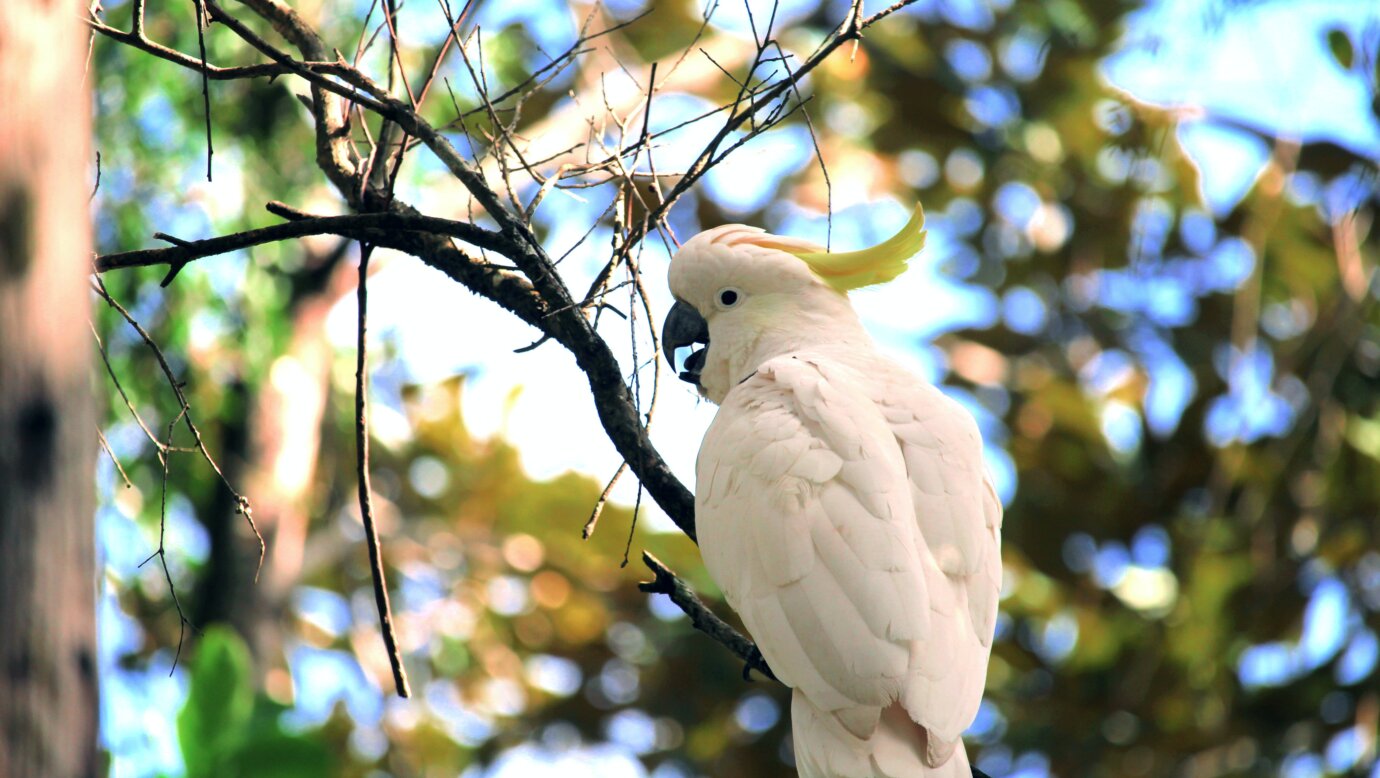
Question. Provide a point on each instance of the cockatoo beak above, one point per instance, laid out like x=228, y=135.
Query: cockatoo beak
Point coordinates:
x=685, y=327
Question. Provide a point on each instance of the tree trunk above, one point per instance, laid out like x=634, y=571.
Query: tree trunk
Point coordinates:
x=48, y=698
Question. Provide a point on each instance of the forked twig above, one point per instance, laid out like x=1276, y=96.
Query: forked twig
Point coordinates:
x=242, y=506
x=162, y=553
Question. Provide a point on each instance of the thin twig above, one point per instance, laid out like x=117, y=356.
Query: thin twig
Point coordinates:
x=704, y=24
x=452, y=36
x=635, y=381
x=388, y=13
x=185, y=413
x=632, y=527
x=561, y=60
x=361, y=46
x=105, y=446
x=601, y=502
x=93, y=11
x=162, y=552
x=819, y=155
x=366, y=504
x=636, y=390
x=100, y=348
x=201, y=20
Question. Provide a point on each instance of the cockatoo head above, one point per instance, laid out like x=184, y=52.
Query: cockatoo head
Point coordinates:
x=749, y=296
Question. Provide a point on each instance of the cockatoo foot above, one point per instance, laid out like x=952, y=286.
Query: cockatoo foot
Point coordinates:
x=756, y=661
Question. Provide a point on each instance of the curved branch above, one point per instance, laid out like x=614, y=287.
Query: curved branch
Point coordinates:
x=349, y=225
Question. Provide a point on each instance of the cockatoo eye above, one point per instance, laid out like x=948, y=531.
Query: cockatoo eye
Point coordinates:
x=729, y=297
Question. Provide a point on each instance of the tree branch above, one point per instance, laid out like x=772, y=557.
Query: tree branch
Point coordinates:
x=537, y=295
x=335, y=155
x=139, y=41
x=701, y=618
x=366, y=503
x=242, y=506
x=304, y=225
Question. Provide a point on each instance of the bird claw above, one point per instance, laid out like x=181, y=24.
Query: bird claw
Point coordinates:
x=755, y=661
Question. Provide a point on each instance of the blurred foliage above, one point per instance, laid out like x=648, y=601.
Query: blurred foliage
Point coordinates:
x=1191, y=402
x=225, y=730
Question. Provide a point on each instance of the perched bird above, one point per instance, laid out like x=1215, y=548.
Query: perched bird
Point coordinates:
x=841, y=503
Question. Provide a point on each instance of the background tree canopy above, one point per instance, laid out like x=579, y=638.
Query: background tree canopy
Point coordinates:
x=1149, y=274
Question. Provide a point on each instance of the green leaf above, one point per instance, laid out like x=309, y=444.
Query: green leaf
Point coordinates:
x=220, y=701
x=1342, y=50
x=271, y=754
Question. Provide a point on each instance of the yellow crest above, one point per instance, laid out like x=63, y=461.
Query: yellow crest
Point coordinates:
x=877, y=265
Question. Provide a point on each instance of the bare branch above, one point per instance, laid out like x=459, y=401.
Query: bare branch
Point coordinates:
x=559, y=63
x=187, y=251
x=201, y=22
x=162, y=553
x=185, y=414
x=701, y=618
x=105, y=446
x=335, y=155
x=850, y=29
x=819, y=155
x=388, y=13
x=366, y=504
x=311, y=72
x=453, y=36
x=138, y=41
x=100, y=348
x=601, y=502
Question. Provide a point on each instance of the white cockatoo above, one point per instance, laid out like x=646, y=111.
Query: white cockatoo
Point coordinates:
x=841, y=503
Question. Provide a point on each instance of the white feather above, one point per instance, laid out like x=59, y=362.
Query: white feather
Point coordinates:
x=851, y=526
x=843, y=509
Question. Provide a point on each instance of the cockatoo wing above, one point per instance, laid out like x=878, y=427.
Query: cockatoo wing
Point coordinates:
x=806, y=521
x=959, y=517
x=848, y=519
